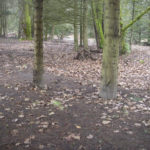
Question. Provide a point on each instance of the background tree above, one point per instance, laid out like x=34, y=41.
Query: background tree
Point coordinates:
x=97, y=12
x=38, y=50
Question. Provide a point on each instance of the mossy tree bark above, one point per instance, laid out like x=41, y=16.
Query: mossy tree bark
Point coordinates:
x=75, y=25
x=85, y=32
x=111, y=49
x=27, y=21
x=97, y=12
x=38, y=51
x=124, y=29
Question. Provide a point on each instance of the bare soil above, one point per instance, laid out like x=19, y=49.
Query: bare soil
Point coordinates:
x=67, y=113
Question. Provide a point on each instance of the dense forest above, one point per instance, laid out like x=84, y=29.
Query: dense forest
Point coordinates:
x=75, y=74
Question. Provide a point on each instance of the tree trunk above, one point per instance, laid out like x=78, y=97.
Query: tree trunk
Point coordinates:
x=27, y=21
x=21, y=15
x=111, y=49
x=133, y=13
x=81, y=23
x=38, y=51
x=139, y=32
x=97, y=12
x=3, y=18
x=52, y=32
x=0, y=19
x=124, y=29
x=75, y=25
x=149, y=31
x=85, y=32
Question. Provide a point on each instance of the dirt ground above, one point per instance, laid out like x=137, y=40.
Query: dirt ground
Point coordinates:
x=67, y=113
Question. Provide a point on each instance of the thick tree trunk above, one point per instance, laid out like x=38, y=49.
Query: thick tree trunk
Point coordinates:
x=85, y=32
x=75, y=25
x=38, y=51
x=111, y=50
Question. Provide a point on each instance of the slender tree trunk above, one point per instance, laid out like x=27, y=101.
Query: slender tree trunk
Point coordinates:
x=85, y=32
x=38, y=51
x=45, y=32
x=97, y=12
x=111, y=49
x=139, y=32
x=27, y=20
x=3, y=18
x=124, y=29
x=81, y=23
x=149, y=30
x=52, y=32
x=133, y=13
x=75, y=25
x=32, y=25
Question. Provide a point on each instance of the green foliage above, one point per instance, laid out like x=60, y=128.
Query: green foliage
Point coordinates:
x=63, y=30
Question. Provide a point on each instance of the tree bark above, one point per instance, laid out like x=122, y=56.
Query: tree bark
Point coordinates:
x=133, y=13
x=81, y=23
x=75, y=25
x=38, y=50
x=149, y=30
x=85, y=32
x=97, y=12
x=111, y=49
x=27, y=21
x=3, y=18
x=52, y=32
x=124, y=29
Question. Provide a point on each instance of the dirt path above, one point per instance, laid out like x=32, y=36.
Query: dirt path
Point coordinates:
x=68, y=114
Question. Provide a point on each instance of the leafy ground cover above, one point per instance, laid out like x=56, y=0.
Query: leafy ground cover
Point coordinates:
x=67, y=113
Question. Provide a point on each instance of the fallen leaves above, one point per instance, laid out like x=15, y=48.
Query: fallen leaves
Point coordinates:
x=14, y=132
x=106, y=122
x=146, y=123
x=1, y=115
x=137, y=125
x=72, y=136
x=78, y=127
x=44, y=125
x=90, y=136
x=28, y=140
x=57, y=104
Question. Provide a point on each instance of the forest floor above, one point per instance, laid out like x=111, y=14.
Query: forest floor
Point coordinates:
x=67, y=113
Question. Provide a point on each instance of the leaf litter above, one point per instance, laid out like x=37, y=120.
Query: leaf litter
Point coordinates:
x=77, y=101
